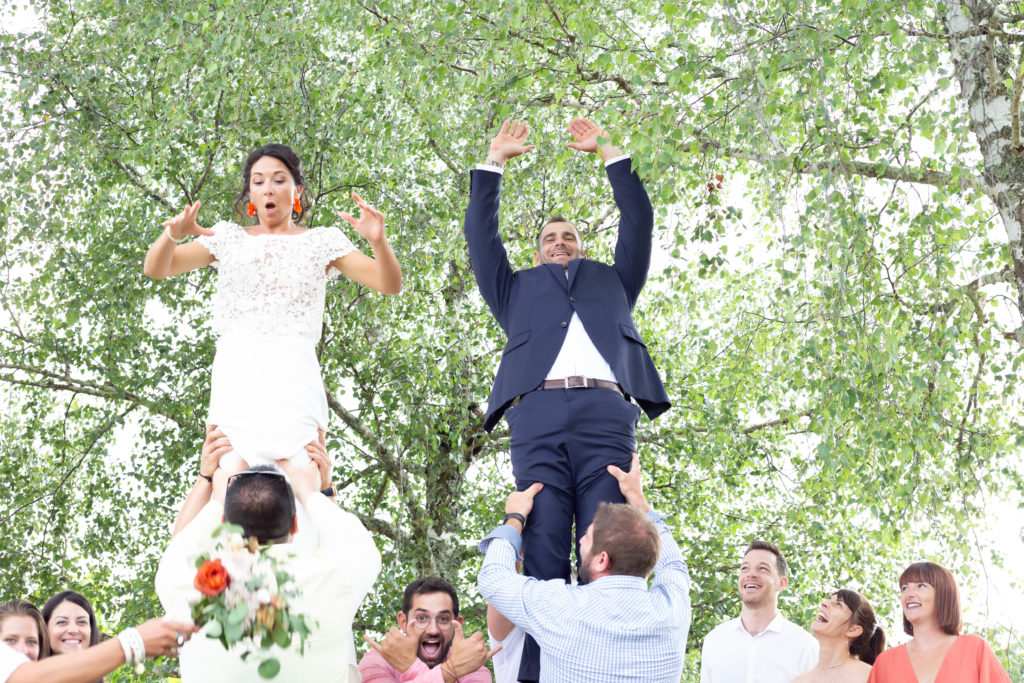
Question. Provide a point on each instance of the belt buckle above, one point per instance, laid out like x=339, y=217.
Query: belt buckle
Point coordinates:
x=575, y=382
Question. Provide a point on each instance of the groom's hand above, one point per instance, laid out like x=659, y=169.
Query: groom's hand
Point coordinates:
x=398, y=649
x=509, y=142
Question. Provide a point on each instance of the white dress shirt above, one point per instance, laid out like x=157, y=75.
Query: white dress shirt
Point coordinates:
x=778, y=654
x=10, y=659
x=506, y=660
x=578, y=355
x=332, y=580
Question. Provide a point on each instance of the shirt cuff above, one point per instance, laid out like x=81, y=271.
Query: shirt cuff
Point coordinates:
x=615, y=160
x=655, y=515
x=500, y=170
x=504, y=531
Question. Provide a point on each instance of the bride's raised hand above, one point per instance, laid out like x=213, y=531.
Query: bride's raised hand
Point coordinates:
x=370, y=223
x=184, y=223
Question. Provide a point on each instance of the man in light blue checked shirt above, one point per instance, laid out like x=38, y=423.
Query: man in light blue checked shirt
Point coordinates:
x=614, y=628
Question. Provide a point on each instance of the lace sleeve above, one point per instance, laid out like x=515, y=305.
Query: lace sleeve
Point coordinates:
x=333, y=245
x=216, y=244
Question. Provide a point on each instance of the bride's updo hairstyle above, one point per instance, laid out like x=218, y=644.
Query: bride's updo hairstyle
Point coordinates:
x=286, y=156
x=871, y=641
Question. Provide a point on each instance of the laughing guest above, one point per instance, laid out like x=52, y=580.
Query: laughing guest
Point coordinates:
x=849, y=639
x=760, y=645
x=937, y=651
x=427, y=646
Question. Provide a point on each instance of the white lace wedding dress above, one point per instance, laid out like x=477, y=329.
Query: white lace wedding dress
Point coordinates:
x=266, y=393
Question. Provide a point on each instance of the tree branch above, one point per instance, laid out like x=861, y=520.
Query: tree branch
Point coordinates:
x=777, y=422
x=135, y=179
x=972, y=32
x=867, y=169
x=1018, y=88
x=52, y=491
x=379, y=526
x=66, y=382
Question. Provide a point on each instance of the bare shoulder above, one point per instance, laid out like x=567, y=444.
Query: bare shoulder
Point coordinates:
x=859, y=673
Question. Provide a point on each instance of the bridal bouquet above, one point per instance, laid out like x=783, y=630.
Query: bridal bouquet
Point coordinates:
x=245, y=598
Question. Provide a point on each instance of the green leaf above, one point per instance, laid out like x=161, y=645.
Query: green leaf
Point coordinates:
x=269, y=668
x=238, y=613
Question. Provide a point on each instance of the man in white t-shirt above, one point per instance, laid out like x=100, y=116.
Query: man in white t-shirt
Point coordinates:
x=761, y=645
x=509, y=637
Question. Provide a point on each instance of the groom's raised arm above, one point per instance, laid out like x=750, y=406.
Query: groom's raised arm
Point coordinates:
x=490, y=260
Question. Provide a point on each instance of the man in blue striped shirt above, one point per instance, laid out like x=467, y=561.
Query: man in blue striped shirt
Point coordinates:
x=614, y=628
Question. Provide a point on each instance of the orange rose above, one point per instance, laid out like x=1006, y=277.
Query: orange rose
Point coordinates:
x=212, y=578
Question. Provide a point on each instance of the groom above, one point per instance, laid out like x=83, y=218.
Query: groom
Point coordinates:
x=332, y=579
x=574, y=361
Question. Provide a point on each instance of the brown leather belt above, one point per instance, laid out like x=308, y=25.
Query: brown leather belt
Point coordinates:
x=578, y=382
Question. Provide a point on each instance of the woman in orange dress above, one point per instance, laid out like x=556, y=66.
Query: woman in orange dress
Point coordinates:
x=937, y=653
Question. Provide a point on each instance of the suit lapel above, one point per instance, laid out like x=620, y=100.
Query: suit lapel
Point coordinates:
x=558, y=273
x=574, y=267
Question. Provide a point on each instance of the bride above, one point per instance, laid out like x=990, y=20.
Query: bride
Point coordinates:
x=266, y=392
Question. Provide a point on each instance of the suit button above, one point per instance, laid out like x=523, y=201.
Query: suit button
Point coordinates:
x=572, y=299
x=565, y=324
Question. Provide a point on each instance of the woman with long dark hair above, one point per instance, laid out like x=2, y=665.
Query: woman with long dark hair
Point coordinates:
x=71, y=623
x=849, y=639
x=267, y=397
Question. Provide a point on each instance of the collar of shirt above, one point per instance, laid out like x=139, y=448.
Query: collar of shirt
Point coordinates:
x=617, y=582
x=774, y=626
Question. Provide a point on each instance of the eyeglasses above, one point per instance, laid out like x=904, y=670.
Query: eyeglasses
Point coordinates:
x=442, y=620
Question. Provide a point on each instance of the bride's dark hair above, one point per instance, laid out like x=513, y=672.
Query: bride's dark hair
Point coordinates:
x=286, y=156
x=871, y=641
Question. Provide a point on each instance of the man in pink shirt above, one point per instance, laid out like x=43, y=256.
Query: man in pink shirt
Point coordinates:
x=428, y=645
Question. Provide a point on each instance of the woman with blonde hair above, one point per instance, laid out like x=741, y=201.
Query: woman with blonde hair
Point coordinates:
x=23, y=629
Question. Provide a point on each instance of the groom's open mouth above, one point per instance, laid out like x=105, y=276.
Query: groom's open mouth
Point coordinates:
x=430, y=648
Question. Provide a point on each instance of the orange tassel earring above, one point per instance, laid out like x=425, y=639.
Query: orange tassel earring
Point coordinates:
x=252, y=208
x=298, y=205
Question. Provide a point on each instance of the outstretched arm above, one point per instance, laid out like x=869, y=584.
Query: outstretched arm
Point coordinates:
x=166, y=257
x=159, y=637
x=636, y=218
x=381, y=271
x=215, y=446
x=491, y=268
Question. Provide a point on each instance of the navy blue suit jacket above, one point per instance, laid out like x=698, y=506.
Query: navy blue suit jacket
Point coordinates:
x=534, y=306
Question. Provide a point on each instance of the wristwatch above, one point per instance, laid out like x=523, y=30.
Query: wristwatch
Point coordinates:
x=515, y=516
x=329, y=491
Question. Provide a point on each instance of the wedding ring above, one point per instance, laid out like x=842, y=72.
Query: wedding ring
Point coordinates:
x=181, y=639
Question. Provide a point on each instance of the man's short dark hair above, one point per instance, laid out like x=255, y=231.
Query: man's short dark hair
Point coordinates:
x=553, y=219
x=425, y=586
x=261, y=503
x=628, y=536
x=780, y=561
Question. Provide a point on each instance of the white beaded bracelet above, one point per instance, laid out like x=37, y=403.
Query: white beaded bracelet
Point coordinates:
x=121, y=638
x=179, y=240
x=131, y=639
